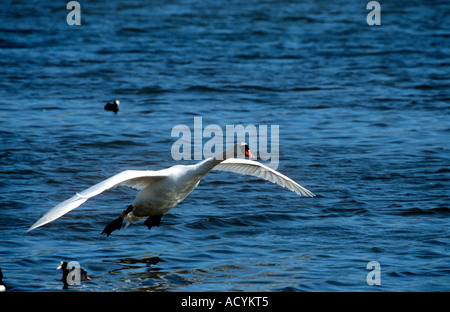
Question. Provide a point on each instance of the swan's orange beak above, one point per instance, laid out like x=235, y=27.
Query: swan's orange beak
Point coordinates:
x=249, y=154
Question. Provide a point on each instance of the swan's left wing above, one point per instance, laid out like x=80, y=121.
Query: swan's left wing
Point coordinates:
x=137, y=179
x=253, y=168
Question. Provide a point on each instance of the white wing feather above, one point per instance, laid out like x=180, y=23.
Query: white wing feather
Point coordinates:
x=253, y=168
x=136, y=179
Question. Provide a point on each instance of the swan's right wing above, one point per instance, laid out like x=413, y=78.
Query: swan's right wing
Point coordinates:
x=136, y=179
x=253, y=168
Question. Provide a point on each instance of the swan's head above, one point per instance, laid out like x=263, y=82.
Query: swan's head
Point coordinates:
x=238, y=151
x=247, y=152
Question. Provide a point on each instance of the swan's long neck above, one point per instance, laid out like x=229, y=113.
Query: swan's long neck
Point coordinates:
x=205, y=166
x=208, y=164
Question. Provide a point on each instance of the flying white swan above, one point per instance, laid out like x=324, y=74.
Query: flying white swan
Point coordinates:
x=162, y=190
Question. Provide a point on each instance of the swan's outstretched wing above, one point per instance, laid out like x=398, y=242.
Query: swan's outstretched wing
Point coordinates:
x=250, y=167
x=136, y=179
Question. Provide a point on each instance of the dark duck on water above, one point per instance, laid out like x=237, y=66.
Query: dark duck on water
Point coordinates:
x=2, y=284
x=113, y=107
x=68, y=280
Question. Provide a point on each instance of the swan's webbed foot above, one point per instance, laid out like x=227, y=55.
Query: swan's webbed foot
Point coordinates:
x=116, y=224
x=153, y=221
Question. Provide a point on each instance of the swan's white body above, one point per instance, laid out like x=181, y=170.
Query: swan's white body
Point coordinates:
x=162, y=190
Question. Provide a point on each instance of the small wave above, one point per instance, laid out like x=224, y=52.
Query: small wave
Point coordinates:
x=133, y=30
x=148, y=261
x=142, y=91
x=244, y=220
x=151, y=90
x=112, y=144
x=430, y=87
x=301, y=89
x=432, y=211
x=199, y=88
x=246, y=88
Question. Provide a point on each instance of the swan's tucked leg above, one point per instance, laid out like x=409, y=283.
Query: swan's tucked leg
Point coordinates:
x=153, y=221
x=116, y=224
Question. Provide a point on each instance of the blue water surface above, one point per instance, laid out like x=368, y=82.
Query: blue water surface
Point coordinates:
x=363, y=115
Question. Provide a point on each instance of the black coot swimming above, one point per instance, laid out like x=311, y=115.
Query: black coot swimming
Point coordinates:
x=65, y=271
x=113, y=107
x=2, y=284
